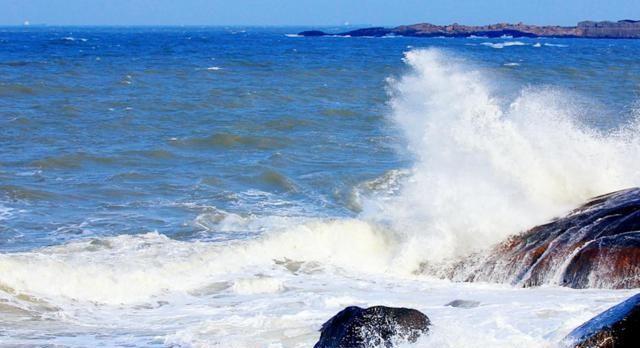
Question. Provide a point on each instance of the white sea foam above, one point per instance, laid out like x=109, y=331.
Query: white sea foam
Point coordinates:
x=500, y=45
x=293, y=35
x=214, y=68
x=511, y=64
x=258, y=285
x=488, y=167
x=506, y=317
x=485, y=167
x=157, y=265
x=71, y=38
x=555, y=45
x=5, y=212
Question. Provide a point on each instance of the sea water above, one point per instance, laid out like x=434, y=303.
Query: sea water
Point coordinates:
x=236, y=187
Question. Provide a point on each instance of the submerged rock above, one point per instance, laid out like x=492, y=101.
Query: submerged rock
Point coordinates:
x=595, y=246
x=379, y=326
x=618, y=327
x=463, y=304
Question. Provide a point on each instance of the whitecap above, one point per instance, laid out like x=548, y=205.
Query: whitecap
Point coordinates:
x=483, y=170
x=500, y=45
x=71, y=38
x=481, y=158
x=5, y=212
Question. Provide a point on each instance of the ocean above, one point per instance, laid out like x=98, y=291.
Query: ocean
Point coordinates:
x=237, y=187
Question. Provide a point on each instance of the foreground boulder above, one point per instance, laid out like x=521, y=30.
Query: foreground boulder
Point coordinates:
x=379, y=326
x=595, y=246
x=617, y=327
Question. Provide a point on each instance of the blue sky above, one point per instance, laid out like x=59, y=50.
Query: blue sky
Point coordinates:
x=307, y=12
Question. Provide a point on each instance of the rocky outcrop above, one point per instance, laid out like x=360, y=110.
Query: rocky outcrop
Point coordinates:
x=379, y=326
x=617, y=327
x=626, y=29
x=596, y=245
x=587, y=29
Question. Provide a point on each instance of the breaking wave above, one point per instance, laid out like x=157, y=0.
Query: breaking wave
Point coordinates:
x=500, y=45
x=485, y=167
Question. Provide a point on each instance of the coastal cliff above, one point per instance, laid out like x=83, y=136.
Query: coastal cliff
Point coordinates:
x=625, y=29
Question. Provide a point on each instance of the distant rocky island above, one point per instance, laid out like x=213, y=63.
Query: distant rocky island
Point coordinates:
x=624, y=29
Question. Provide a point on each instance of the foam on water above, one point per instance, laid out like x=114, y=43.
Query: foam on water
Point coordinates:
x=486, y=166
x=500, y=45
x=5, y=212
x=159, y=265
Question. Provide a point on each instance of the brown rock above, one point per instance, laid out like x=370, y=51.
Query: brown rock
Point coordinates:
x=597, y=245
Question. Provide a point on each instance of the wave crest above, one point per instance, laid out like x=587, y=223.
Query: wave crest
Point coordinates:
x=487, y=168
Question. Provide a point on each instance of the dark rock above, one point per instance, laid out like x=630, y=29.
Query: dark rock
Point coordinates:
x=379, y=326
x=463, y=304
x=312, y=33
x=621, y=253
x=596, y=245
x=620, y=29
x=617, y=327
x=376, y=32
x=370, y=32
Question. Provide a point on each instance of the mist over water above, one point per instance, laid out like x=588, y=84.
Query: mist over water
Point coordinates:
x=488, y=166
x=162, y=202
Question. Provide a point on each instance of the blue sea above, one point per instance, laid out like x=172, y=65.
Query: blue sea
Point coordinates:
x=236, y=187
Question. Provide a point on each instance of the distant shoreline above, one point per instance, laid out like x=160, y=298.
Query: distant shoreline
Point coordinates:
x=624, y=29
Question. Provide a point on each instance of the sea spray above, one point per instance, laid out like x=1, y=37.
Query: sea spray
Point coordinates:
x=486, y=168
x=132, y=269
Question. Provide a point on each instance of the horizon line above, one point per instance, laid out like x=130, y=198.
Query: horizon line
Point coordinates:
x=26, y=24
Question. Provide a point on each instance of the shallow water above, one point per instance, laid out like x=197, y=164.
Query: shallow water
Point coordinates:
x=236, y=187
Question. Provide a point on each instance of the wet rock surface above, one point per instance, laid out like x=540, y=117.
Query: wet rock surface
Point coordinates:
x=595, y=246
x=463, y=304
x=378, y=326
x=617, y=327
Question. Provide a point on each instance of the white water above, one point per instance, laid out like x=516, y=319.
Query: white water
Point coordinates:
x=5, y=212
x=485, y=168
x=488, y=167
x=500, y=45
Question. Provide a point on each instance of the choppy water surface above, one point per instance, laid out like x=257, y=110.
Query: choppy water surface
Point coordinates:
x=237, y=187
